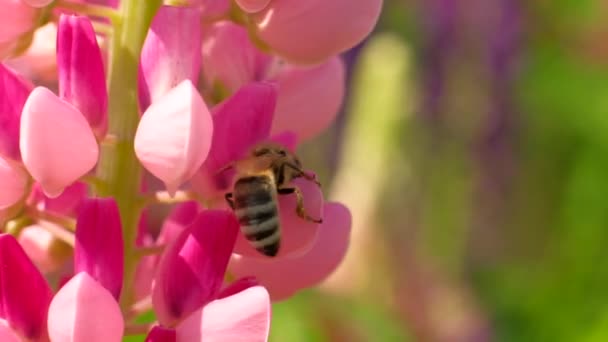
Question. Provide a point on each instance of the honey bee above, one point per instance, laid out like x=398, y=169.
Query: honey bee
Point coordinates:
x=260, y=177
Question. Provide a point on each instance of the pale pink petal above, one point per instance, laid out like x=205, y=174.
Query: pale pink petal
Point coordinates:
x=171, y=52
x=24, y=293
x=16, y=18
x=80, y=70
x=252, y=6
x=283, y=277
x=39, y=60
x=239, y=123
x=161, y=334
x=230, y=59
x=13, y=183
x=43, y=249
x=174, y=136
x=314, y=30
x=297, y=234
x=6, y=333
x=309, y=98
x=66, y=204
x=57, y=145
x=84, y=310
x=242, y=317
x=192, y=270
x=14, y=92
x=99, y=244
x=38, y=3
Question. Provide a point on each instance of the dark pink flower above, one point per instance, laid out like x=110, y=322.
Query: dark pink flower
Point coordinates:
x=14, y=90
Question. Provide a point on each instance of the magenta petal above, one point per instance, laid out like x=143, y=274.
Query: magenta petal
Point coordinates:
x=65, y=204
x=309, y=98
x=14, y=93
x=191, y=271
x=242, y=317
x=57, y=145
x=238, y=286
x=174, y=136
x=171, y=52
x=24, y=293
x=80, y=71
x=229, y=57
x=99, y=245
x=283, y=277
x=83, y=310
x=297, y=234
x=13, y=183
x=161, y=334
x=180, y=217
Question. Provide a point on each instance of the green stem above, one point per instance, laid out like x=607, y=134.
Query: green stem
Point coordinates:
x=90, y=9
x=118, y=167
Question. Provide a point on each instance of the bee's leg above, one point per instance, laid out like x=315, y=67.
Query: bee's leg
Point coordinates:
x=299, y=203
x=303, y=174
x=229, y=199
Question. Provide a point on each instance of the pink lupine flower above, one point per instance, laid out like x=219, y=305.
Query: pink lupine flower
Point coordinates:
x=14, y=92
x=323, y=28
x=174, y=135
x=308, y=97
x=80, y=70
x=252, y=6
x=65, y=204
x=99, y=245
x=39, y=60
x=24, y=294
x=6, y=333
x=43, y=248
x=186, y=296
x=56, y=142
x=38, y=3
x=285, y=276
x=13, y=183
x=171, y=52
x=16, y=19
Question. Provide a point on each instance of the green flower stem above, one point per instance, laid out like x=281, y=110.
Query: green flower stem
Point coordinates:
x=118, y=167
x=90, y=9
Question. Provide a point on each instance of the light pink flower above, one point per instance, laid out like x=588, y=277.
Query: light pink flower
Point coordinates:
x=14, y=90
x=65, y=204
x=41, y=247
x=253, y=6
x=171, y=52
x=57, y=144
x=187, y=295
x=323, y=28
x=13, y=183
x=16, y=19
x=174, y=136
x=80, y=69
x=39, y=60
x=308, y=97
x=285, y=276
x=37, y=3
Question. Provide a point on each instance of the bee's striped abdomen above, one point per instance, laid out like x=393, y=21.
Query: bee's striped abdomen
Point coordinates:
x=256, y=209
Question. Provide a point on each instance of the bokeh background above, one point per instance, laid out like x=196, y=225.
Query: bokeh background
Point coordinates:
x=473, y=153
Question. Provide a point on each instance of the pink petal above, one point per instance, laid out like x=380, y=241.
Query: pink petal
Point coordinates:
x=38, y=3
x=240, y=285
x=212, y=9
x=180, y=217
x=288, y=139
x=192, y=270
x=24, y=293
x=17, y=18
x=57, y=144
x=239, y=122
x=65, y=204
x=174, y=136
x=13, y=183
x=14, y=92
x=39, y=61
x=323, y=28
x=171, y=52
x=6, y=333
x=83, y=310
x=99, y=244
x=243, y=317
x=43, y=249
x=252, y=6
x=309, y=98
x=283, y=277
x=161, y=334
x=80, y=70
x=230, y=59
x=297, y=234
